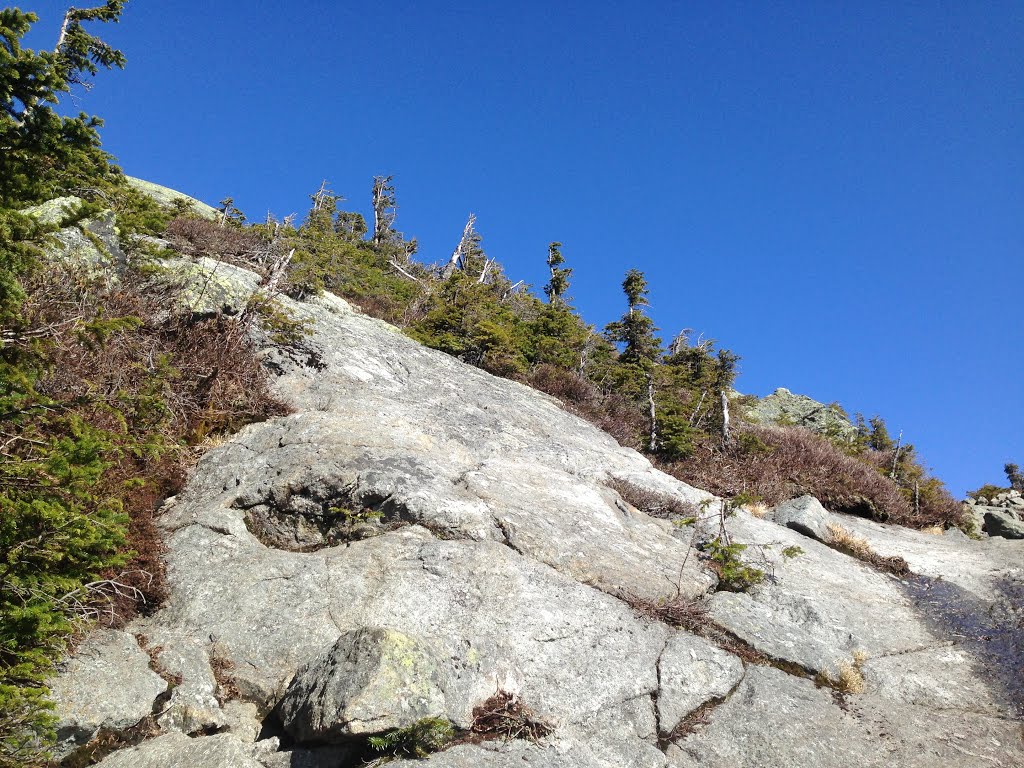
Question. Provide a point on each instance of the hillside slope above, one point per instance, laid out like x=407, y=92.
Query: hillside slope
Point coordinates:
x=420, y=536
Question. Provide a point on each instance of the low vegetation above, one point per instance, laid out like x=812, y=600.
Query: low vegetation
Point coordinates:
x=505, y=716
x=844, y=540
x=418, y=740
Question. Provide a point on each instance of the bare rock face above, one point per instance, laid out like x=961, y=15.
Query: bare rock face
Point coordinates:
x=107, y=684
x=419, y=536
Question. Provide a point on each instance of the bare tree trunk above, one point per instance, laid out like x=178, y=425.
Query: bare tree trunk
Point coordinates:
x=63, y=30
x=511, y=289
x=896, y=456
x=725, y=418
x=700, y=402
x=652, y=445
x=399, y=269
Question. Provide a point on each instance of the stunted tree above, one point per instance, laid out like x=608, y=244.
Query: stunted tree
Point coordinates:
x=559, y=282
x=635, y=329
x=468, y=256
x=642, y=348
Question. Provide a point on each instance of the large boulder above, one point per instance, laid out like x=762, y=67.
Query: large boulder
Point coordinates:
x=804, y=515
x=999, y=522
x=371, y=680
x=170, y=197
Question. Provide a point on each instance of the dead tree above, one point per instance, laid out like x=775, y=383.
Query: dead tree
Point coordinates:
x=726, y=437
x=384, y=209
x=652, y=444
x=461, y=252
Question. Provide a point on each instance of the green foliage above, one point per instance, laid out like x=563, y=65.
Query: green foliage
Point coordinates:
x=1014, y=476
x=635, y=330
x=792, y=551
x=559, y=282
x=878, y=438
x=417, y=740
x=987, y=491
x=45, y=153
x=733, y=574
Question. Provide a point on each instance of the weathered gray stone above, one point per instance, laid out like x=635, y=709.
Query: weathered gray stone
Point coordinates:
x=1004, y=524
x=785, y=408
x=168, y=197
x=54, y=212
x=774, y=719
x=372, y=680
x=193, y=706
x=107, y=684
x=692, y=671
x=176, y=750
x=500, y=549
x=804, y=515
x=209, y=287
x=819, y=607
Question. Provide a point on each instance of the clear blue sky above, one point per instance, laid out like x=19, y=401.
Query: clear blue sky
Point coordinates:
x=833, y=190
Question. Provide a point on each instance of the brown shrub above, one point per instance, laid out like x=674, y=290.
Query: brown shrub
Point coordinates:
x=651, y=503
x=503, y=716
x=683, y=613
x=607, y=411
x=156, y=380
x=201, y=237
x=798, y=461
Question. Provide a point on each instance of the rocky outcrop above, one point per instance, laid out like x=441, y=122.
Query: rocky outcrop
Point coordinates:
x=169, y=198
x=90, y=244
x=1002, y=515
x=784, y=408
x=419, y=535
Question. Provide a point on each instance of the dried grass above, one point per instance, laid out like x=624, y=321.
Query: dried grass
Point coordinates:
x=504, y=716
x=844, y=540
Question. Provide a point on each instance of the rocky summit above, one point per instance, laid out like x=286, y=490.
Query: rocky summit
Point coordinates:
x=423, y=555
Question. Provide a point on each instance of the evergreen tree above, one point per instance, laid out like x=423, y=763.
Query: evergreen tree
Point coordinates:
x=635, y=329
x=56, y=530
x=1014, y=477
x=559, y=282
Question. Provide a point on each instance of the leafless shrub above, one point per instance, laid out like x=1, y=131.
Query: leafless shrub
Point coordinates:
x=125, y=360
x=795, y=461
x=653, y=503
x=227, y=688
x=608, y=411
x=683, y=613
x=201, y=237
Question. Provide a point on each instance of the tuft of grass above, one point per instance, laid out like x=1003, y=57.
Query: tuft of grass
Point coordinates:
x=846, y=541
x=848, y=677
